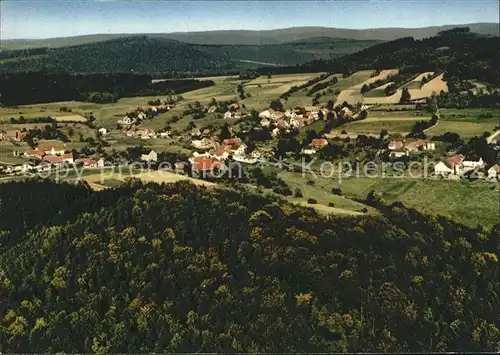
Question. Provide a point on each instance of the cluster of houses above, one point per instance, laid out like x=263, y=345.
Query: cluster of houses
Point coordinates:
x=458, y=164
x=144, y=133
x=402, y=148
x=142, y=113
x=291, y=119
x=217, y=156
x=45, y=156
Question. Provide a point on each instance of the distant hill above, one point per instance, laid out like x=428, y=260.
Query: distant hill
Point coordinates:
x=244, y=37
x=155, y=55
x=463, y=56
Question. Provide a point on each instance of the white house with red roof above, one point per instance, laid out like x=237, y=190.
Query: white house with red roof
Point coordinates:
x=235, y=146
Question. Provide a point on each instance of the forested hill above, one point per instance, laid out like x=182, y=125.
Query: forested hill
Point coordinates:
x=180, y=268
x=461, y=54
x=151, y=55
x=124, y=55
x=254, y=38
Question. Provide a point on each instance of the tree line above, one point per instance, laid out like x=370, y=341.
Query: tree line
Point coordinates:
x=38, y=87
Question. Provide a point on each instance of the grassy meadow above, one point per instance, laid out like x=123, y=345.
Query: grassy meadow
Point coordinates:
x=470, y=203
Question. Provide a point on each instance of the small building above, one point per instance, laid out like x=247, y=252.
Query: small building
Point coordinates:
x=235, y=146
x=430, y=146
x=450, y=166
x=221, y=153
x=35, y=153
x=102, y=131
x=494, y=171
x=415, y=145
x=395, y=145
x=152, y=156
x=91, y=163
x=204, y=143
x=51, y=149
x=59, y=160
x=180, y=167
x=398, y=153
x=203, y=165
x=319, y=143
x=308, y=150
x=15, y=135
x=275, y=132
x=212, y=108
x=125, y=121
x=442, y=168
x=265, y=122
x=473, y=163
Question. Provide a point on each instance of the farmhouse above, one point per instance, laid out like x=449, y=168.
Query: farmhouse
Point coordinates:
x=50, y=149
x=152, y=156
x=203, y=165
x=34, y=154
x=59, y=159
x=235, y=146
x=319, y=143
x=91, y=163
x=203, y=143
x=415, y=145
x=442, y=168
x=15, y=135
x=452, y=165
x=494, y=171
x=221, y=153
x=395, y=145
x=473, y=163
x=271, y=114
x=102, y=131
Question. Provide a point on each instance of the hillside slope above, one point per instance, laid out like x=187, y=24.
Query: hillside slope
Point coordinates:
x=141, y=54
x=179, y=268
x=242, y=37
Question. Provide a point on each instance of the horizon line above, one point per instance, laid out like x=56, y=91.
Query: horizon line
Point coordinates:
x=246, y=30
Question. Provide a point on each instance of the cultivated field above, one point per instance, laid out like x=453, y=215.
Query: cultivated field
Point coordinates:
x=70, y=118
x=148, y=176
x=430, y=196
x=415, y=87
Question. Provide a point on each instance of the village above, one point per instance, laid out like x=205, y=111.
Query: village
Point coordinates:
x=210, y=151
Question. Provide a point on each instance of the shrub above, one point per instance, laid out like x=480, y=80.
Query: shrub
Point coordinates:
x=336, y=191
x=312, y=201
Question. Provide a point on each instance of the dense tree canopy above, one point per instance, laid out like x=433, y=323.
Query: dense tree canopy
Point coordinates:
x=178, y=268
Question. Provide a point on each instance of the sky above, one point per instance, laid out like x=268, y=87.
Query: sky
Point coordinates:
x=56, y=18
